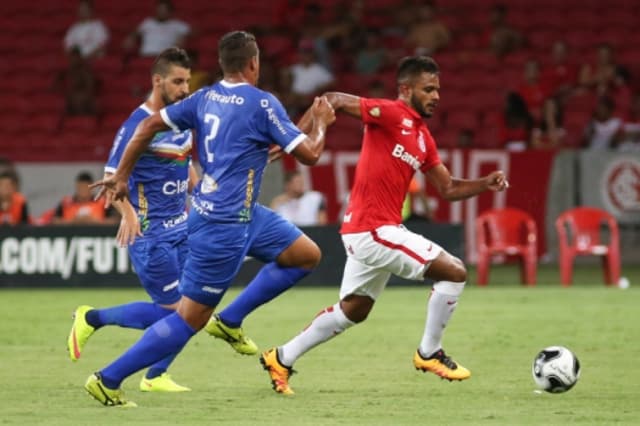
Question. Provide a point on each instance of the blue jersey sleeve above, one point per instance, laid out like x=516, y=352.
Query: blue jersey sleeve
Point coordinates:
x=183, y=115
x=276, y=126
x=119, y=144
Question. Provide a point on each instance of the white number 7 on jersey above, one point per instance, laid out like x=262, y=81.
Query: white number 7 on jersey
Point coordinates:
x=215, y=124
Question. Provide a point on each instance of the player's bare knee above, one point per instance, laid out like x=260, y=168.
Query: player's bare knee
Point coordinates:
x=356, y=308
x=303, y=253
x=458, y=271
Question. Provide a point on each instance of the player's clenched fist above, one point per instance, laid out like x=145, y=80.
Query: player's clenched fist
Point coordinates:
x=497, y=181
x=323, y=111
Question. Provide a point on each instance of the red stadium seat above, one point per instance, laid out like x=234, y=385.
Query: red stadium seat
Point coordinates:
x=507, y=232
x=580, y=233
x=462, y=119
x=84, y=125
x=47, y=123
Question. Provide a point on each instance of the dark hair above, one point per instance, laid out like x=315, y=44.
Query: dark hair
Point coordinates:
x=168, y=57
x=10, y=174
x=84, y=177
x=167, y=3
x=516, y=111
x=288, y=176
x=412, y=66
x=235, y=50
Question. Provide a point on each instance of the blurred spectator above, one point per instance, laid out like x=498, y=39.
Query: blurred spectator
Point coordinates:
x=561, y=75
x=465, y=138
x=288, y=14
x=501, y=37
x=346, y=35
x=88, y=34
x=78, y=85
x=532, y=90
x=13, y=205
x=376, y=89
x=402, y=18
x=306, y=77
x=603, y=129
x=549, y=133
x=515, y=125
x=159, y=32
x=417, y=206
x=312, y=27
x=373, y=56
x=600, y=74
x=81, y=208
x=7, y=165
x=304, y=208
x=628, y=139
x=270, y=79
x=427, y=35
x=620, y=90
x=199, y=77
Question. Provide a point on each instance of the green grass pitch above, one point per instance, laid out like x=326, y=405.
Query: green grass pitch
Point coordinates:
x=364, y=377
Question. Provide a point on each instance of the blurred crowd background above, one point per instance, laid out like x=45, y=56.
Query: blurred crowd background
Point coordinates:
x=515, y=75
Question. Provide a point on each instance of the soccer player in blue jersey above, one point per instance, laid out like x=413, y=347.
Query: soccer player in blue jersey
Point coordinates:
x=235, y=123
x=153, y=221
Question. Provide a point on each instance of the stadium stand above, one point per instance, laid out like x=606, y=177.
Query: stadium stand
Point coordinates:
x=474, y=81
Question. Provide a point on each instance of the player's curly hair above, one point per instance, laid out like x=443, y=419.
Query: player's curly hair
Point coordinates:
x=235, y=50
x=412, y=66
x=168, y=57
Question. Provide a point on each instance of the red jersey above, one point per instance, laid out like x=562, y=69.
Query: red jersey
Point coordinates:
x=396, y=144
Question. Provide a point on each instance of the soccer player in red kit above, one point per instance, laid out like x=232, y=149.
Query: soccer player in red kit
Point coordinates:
x=396, y=144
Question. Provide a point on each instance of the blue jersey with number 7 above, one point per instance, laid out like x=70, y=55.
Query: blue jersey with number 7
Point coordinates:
x=235, y=123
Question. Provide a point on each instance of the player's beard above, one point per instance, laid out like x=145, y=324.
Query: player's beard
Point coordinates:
x=167, y=99
x=415, y=104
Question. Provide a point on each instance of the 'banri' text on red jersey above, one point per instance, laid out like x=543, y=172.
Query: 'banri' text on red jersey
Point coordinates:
x=396, y=143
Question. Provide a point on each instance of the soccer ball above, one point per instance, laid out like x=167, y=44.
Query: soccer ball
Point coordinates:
x=556, y=369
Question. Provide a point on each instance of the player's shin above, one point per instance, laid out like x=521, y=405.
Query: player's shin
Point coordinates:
x=328, y=323
x=442, y=303
x=138, y=315
x=271, y=281
x=165, y=337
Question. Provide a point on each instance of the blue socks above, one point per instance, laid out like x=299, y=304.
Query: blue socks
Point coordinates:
x=164, y=338
x=138, y=315
x=271, y=281
x=160, y=367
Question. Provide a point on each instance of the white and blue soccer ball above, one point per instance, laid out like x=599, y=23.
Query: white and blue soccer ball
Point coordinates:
x=556, y=369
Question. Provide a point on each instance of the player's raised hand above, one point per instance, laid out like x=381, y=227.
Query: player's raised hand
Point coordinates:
x=129, y=228
x=275, y=153
x=497, y=181
x=323, y=111
x=112, y=188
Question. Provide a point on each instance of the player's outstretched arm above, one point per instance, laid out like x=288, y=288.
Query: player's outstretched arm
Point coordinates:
x=453, y=189
x=139, y=142
x=322, y=116
x=349, y=104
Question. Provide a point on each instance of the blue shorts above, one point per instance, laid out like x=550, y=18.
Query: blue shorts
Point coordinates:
x=158, y=260
x=217, y=251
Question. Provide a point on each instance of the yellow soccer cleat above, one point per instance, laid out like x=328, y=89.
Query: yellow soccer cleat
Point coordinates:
x=234, y=336
x=279, y=373
x=106, y=396
x=80, y=332
x=161, y=383
x=440, y=364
